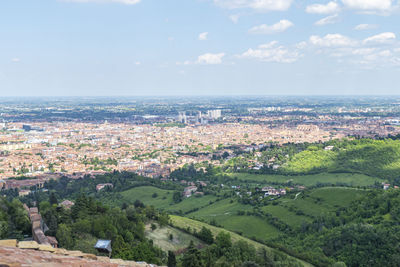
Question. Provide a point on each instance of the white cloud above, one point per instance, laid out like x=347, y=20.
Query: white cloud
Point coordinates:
x=329, y=8
x=363, y=51
x=259, y=5
x=328, y=20
x=185, y=63
x=203, y=36
x=234, y=18
x=126, y=2
x=332, y=40
x=380, y=5
x=280, y=26
x=15, y=60
x=363, y=27
x=382, y=38
x=138, y=63
x=272, y=52
x=210, y=58
x=367, y=54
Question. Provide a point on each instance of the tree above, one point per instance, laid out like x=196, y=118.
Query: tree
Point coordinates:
x=192, y=257
x=223, y=240
x=339, y=264
x=64, y=236
x=177, y=197
x=53, y=199
x=250, y=264
x=171, y=259
x=120, y=249
x=206, y=235
x=138, y=204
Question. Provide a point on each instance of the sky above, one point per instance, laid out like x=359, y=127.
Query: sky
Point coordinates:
x=199, y=47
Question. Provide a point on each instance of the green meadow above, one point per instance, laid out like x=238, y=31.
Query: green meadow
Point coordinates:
x=163, y=200
x=323, y=200
x=351, y=179
x=224, y=212
x=145, y=194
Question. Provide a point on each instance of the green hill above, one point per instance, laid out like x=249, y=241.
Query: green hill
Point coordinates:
x=378, y=158
x=350, y=179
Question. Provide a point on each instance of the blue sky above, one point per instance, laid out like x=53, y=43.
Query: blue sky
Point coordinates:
x=198, y=47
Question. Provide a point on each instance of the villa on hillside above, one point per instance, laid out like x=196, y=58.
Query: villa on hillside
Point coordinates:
x=188, y=191
x=102, y=186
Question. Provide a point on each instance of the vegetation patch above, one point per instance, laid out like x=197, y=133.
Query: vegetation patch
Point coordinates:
x=171, y=239
x=350, y=179
x=149, y=195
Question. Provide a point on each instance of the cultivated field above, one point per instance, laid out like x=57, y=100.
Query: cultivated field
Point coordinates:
x=145, y=194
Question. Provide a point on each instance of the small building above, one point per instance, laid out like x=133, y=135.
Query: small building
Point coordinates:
x=385, y=186
x=188, y=191
x=103, y=246
x=67, y=204
x=2, y=184
x=24, y=192
x=102, y=186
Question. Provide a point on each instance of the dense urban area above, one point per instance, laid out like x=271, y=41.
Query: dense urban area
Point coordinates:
x=205, y=181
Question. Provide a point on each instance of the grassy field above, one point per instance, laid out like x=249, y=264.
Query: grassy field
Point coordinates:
x=324, y=200
x=285, y=215
x=337, y=196
x=145, y=194
x=191, y=203
x=309, y=180
x=164, y=199
x=225, y=213
x=183, y=222
x=161, y=238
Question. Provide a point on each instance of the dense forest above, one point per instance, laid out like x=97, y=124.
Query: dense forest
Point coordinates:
x=88, y=220
x=365, y=234
x=14, y=221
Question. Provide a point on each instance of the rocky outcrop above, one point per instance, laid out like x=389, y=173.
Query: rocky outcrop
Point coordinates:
x=30, y=253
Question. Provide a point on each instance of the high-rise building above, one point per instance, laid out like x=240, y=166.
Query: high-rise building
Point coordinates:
x=182, y=117
x=214, y=114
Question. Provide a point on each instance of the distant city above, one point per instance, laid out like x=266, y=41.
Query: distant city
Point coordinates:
x=153, y=137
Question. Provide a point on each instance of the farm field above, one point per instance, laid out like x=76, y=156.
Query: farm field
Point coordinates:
x=145, y=194
x=324, y=200
x=161, y=238
x=225, y=213
x=337, y=196
x=188, y=204
x=285, y=215
x=164, y=201
x=184, y=223
x=351, y=179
